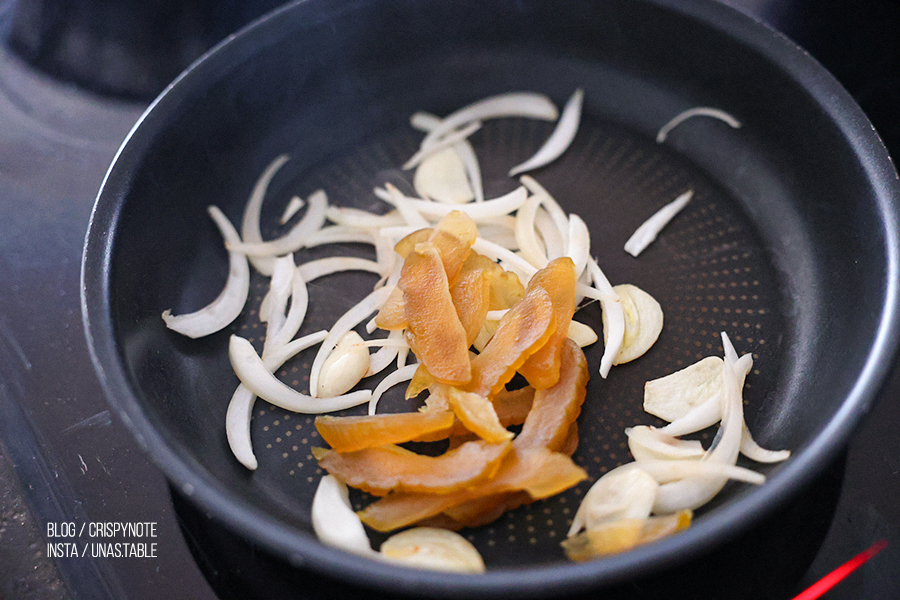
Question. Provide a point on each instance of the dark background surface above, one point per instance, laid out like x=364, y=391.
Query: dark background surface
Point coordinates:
x=74, y=77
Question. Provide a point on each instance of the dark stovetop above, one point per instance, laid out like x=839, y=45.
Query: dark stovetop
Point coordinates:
x=65, y=458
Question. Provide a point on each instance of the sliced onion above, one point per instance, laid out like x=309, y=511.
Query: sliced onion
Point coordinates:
x=704, y=415
x=216, y=315
x=561, y=138
x=579, y=249
x=699, y=111
x=390, y=380
x=550, y=205
x=515, y=104
x=354, y=217
x=250, y=232
x=253, y=373
x=340, y=234
x=335, y=522
x=293, y=240
x=292, y=208
x=753, y=451
x=551, y=236
x=530, y=247
x=452, y=138
x=384, y=356
x=649, y=229
x=626, y=492
x=274, y=303
x=512, y=261
x=496, y=207
x=614, y=332
x=345, y=323
x=336, y=264
x=433, y=548
x=240, y=408
x=648, y=443
x=426, y=122
x=406, y=206
x=665, y=471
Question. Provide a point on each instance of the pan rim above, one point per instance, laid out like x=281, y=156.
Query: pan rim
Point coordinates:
x=190, y=479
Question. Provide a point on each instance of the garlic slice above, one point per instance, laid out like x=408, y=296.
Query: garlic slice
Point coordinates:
x=216, y=315
x=334, y=521
x=626, y=492
x=442, y=177
x=581, y=334
x=673, y=396
x=643, y=322
x=433, y=548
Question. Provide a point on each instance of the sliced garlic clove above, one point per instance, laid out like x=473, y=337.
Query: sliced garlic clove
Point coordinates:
x=433, y=548
x=442, y=177
x=673, y=396
x=626, y=492
x=581, y=334
x=345, y=366
x=643, y=322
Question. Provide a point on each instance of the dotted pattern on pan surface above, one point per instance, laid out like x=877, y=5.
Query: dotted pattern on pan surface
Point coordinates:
x=707, y=269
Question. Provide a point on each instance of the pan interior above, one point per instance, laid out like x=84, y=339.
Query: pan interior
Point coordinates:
x=768, y=250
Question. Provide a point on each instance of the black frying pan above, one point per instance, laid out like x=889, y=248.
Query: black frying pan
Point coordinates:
x=790, y=244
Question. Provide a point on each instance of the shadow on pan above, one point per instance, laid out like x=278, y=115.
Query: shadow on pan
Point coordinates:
x=790, y=244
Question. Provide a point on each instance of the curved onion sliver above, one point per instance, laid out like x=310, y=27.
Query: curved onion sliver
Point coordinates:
x=699, y=111
x=252, y=372
x=496, y=207
x=753, y=451
x=230, y=301
x=530, y=247
x=561, y=138
x=649, y=229
x=449, y=140
x=291, y=324
x=402, y=374
x=250, y=232
x=293, y=240
x=292, y=208
x=379, y=361
x=334, y=521
x=240, y=408
x=615, y=317
x=514, y=104
x=336, y=264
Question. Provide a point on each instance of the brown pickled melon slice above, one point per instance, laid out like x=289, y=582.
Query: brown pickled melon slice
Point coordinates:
x=348, y=434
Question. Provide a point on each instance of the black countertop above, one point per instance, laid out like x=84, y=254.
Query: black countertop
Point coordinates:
x=65, y=458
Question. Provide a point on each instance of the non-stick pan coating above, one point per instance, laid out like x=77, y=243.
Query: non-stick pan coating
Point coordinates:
x=789, y=244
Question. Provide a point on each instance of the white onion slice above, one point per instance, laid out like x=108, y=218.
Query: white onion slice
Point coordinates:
x=449, y=140
x=250, y=232
x=426, y=122
x=626, y=492
x=496, y=207
x=292, y=208
x=355, y=217
x=514, y=104
x=253, y=373
x=231, y=300
x=295, y=315
x=579, y=249
x=345, y=323
x=530, y=247
x=510, y=260
x=274, y=303
x=407, y=208
x=754, y=451
x=648, y=443
x=551, y=236
x=561, y=138
x=294, y=239
x=649, y=229
x=704, y=415
x=391, y=345
x=666, y=471
x=335, y=522
x=240, y=408
x=699, y=111
x=615, y=317
x=336, y=264
x=402, y=374
x=340, y=234
x=550, y=204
